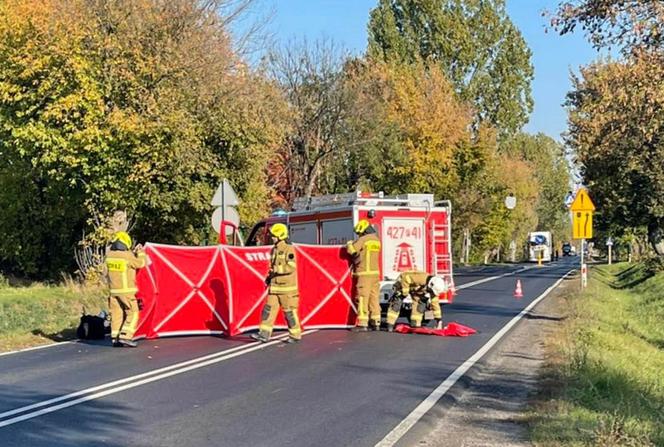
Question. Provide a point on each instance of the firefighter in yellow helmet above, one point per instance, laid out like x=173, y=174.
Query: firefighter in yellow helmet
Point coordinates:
x=122, y=265
x=282, y=283
x=424, y=290
x=366, y=253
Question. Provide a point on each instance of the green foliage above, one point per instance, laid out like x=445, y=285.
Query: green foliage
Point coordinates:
x=616, y=121
x=474, y=42
x=107, y=105
x=551, y=173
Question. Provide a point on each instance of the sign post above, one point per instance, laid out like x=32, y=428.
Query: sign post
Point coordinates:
x=582, y=226
x=225, y=215
x=609, y=243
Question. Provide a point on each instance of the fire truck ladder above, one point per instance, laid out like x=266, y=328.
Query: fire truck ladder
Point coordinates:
x=441, y=261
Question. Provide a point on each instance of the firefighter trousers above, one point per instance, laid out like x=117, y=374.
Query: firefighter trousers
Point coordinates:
x=289, y=304
x=418, y=309
x=367, y=291
x=124, y=316
x=416, y=312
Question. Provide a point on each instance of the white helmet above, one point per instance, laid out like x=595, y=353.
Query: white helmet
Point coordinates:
x=437, y=285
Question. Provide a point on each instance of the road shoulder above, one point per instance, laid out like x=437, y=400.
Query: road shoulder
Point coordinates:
x=490, y=409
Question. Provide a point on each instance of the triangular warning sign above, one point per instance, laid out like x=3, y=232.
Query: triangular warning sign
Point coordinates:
x=582, y=201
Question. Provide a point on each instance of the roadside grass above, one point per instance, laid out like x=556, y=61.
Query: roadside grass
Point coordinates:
x=603, y=383
x=38, y=313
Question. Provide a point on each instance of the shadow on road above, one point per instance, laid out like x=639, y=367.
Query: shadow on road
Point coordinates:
x=95, y=422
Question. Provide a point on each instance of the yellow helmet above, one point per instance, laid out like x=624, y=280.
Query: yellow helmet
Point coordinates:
x=280, y=231
x=122, y=237
x=362, y=226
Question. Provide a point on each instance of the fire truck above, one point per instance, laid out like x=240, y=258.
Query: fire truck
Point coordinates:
x=414, y=229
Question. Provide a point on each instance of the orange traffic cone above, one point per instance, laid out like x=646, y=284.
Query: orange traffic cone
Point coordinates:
x=518, y=293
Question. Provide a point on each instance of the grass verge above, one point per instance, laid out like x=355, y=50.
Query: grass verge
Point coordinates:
x=39, y=313
x=603, y=383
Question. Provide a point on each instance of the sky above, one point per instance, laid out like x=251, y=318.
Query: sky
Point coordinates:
x=345, y=22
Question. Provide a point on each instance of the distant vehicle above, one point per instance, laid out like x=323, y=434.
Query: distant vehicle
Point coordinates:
x=540, y=244
x=567, y=249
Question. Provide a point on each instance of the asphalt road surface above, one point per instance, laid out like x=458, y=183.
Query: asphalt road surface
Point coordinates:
x=335, y=388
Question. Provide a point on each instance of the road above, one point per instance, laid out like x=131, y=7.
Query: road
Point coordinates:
x=336, y=388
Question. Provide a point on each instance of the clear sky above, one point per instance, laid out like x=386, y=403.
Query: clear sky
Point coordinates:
x=345, y=22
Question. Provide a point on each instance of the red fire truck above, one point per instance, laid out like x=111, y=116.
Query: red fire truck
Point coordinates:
x=414, y=229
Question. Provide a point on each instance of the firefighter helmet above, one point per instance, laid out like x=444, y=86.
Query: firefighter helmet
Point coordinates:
x=280, y=231
x=437, y=285
x=362, y=226
x=122, y=236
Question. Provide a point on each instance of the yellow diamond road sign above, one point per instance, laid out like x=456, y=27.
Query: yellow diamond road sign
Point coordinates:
x=582, y=202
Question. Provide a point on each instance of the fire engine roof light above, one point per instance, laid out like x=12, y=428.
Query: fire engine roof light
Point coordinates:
x=279, y=212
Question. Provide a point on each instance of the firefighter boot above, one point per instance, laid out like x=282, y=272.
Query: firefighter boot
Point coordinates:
x=374, y=325
x=260, y=336
x=127, y=343
x=390, y=327
x=438, y=323
x=292, y=340
x=360, y=329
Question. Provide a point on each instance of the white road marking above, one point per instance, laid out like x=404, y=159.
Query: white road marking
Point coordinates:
x=131, y=382
x=480, y=281
x=402, y=428
x=34, y=348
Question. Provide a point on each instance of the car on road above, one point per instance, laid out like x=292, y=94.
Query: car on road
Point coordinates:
x=567, y=249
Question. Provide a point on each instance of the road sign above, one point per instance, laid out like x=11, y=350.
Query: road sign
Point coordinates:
x=609, y=242
x=582, y=225
x=225, y=195
x=229, y=215
x=582, y=202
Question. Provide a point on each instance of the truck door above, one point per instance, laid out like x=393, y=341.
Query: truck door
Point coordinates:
x=403, y=242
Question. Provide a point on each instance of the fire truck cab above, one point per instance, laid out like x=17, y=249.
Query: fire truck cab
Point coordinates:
x=414, y=229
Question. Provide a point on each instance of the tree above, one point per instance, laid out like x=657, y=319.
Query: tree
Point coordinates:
x=108, y=105
x=475, y=43
x=632, y=25
x=312, y=79
x=616, y=130
x=551, y=175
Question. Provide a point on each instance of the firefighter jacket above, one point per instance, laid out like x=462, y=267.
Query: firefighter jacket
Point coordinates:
x=413, y=283
x=366, y=253
x=283, y=270
x=122, y=266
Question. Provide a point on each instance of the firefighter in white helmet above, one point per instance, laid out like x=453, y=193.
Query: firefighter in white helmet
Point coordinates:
x=425, y=290
x=366, y=253
x=283, y=291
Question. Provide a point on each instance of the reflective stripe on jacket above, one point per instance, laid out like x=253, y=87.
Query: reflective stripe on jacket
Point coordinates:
x=122, y=266
x=366, y=254
x=283, y=269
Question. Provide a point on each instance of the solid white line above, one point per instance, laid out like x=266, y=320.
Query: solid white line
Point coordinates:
x=208, y=358
x=400, y=430
x=101, y=394
x=480, y=281
x=34, y=348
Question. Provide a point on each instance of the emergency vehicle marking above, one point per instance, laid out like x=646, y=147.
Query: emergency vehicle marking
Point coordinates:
x=399, y=232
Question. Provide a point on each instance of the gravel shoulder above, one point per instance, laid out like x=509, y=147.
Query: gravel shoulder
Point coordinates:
x=490, y=410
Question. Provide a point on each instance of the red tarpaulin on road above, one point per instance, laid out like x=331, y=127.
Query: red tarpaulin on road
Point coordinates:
x=221, y=289
x=451, y=330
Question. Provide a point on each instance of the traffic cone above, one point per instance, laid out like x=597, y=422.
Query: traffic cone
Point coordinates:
x=518, y=293
x=453, y=289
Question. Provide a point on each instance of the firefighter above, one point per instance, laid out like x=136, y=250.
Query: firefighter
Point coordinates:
x=366, y=253
x=282, y=283
x=424, y=290
x=122, y=265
